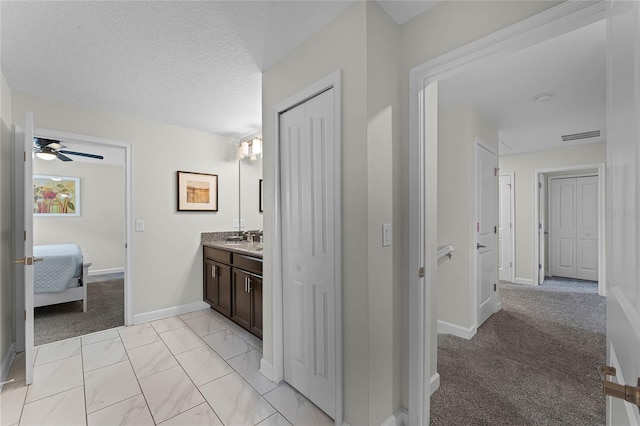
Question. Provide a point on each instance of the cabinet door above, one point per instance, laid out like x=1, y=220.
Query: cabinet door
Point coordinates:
x=256, y=306
x=241, y=312
x=210, y=292
x=223, y=304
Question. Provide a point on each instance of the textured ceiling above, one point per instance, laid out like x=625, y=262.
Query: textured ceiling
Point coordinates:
x=193, y=64
x=571, y=67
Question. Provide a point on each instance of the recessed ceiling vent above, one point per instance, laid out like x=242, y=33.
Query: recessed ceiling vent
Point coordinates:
x=585, y=135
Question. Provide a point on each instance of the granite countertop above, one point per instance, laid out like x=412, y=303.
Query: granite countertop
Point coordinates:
x=218, y=240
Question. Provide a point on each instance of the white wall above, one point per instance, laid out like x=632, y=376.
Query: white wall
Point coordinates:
x=100, y=227
x=167, y=257
x=442, y=28
x=383, y=198
x=458, y=126
x=524, y=167
x=6, y=230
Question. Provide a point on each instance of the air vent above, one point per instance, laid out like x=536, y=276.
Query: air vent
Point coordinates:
x=585, y=135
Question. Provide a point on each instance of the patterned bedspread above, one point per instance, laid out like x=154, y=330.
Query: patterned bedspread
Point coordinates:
x=62, y=262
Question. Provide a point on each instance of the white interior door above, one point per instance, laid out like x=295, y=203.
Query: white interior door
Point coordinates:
x=486, y=227
x=505, y=224
x=562, y=218
x=623, y=204
x=587, y=228
x=24, y=241
x=543, y=240
x=306, y=146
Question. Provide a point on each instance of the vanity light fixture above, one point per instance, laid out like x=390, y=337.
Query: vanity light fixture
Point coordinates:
x=249, y=148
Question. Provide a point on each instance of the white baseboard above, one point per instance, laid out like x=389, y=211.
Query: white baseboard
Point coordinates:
x=525, y=281
x=400, y=418
x=448, y=328
x=434, y=383
x=169, y=312
x=6, y=364
x=498, y=307
x=267, y=370
x=105, y=271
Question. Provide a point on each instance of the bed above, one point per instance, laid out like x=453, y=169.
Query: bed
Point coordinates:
x=61, y=276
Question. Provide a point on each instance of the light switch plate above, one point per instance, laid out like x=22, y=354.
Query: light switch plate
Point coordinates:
x=235, y=223
x=386, y=234
x=139, y=225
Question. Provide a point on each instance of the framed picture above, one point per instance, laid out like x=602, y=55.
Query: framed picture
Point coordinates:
x=56, y=196
x=197, y=192
x=261, y=197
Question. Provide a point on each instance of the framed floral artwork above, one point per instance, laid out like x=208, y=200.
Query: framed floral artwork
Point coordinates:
x=56, y=196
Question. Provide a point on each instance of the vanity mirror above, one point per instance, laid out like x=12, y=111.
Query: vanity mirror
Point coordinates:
x=249, y=182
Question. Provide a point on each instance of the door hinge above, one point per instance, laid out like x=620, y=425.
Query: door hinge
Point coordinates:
x=25, y=235
x=510, y=264
x=539, y=265
x=24, y=157
x=539, y=185
x=25, y=314
x=510, y=225
x=539, y=226
x=495, y=171
x=495, y=229
x=495, y=287
x=421, y=272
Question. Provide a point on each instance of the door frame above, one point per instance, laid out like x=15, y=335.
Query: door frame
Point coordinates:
x=473, y=251
x=512, y=218
x=128, y=201
x=423, y=106
x=541, y=207
x=276, y=371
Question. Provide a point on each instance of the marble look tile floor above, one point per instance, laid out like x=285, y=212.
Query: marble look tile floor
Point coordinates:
x=194, y=369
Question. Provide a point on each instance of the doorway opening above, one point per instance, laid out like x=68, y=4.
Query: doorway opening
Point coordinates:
x=569, y=226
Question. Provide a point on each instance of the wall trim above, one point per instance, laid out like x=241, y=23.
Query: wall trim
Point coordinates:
x=525, y=281
x=455, y=330
x=498, y=307
x=267, y=370
x=434, y=382
x=6, y=365
x=106, y=271
x=399, y=418
x=169, y=312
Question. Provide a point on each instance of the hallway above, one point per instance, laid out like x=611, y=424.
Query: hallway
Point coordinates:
x=532, y=363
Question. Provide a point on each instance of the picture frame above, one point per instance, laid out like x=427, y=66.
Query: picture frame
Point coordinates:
x=56, y=196
x=260, y=197
x=197, y=192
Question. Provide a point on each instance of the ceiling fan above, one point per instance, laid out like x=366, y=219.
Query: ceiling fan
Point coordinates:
x=49, y=149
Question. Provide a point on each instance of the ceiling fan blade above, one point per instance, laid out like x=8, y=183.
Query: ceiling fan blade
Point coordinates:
x=51, y=143
x=63, y=157
x=83, y=154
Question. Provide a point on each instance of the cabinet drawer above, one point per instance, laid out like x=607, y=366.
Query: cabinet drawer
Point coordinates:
x=219, y=255
x=247, y=263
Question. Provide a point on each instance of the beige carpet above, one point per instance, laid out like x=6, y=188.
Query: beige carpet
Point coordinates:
x=532, y=363
x=105, y=309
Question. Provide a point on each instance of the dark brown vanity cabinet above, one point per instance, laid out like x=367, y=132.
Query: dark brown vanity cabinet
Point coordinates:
x=233, y=287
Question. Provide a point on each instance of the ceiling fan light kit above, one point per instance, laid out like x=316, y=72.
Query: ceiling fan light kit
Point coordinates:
x=49, y=149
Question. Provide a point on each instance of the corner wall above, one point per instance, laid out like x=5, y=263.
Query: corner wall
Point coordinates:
x=524, y=167
x=7, y=316
x=167, y=256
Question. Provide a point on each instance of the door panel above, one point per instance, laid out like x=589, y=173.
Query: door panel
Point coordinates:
x=487, y=221
x=241, y=300
x=623, y=203
x=562, y=218
x=505, y=254
x=306, y=137
x=587, y=228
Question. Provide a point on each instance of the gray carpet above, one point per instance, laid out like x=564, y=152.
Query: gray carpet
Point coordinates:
x=570, y=285
x=105, y=310
x=532, y=363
